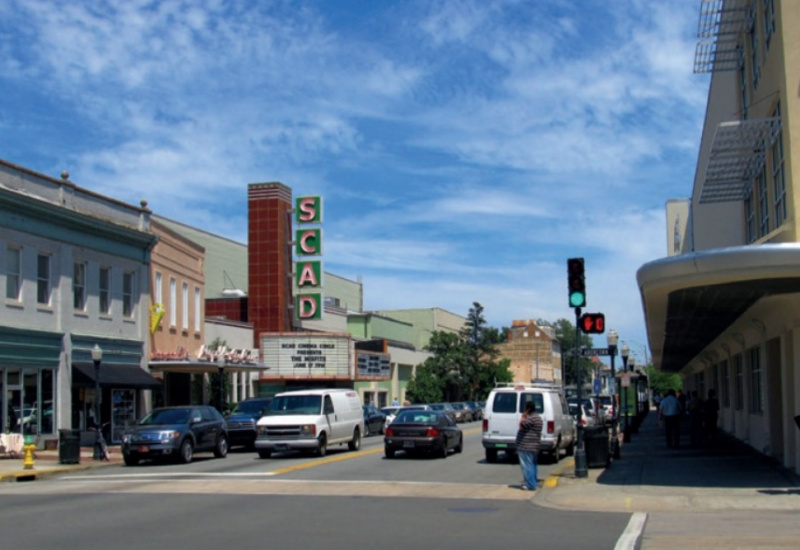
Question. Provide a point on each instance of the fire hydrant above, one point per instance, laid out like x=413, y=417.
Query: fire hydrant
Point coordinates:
x=27, y=463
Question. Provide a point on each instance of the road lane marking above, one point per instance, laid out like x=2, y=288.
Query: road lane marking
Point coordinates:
x=629, y=537
x=326, y=460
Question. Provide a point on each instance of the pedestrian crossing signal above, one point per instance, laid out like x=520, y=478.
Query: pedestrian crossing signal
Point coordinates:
x=592, y=323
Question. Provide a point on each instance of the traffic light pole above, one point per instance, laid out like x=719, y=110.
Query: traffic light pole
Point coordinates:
x=581, y=465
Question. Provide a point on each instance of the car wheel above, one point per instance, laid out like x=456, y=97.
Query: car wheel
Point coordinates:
x=443, y=450
x=187, y=451
x=491, y=456
x=322, y=447
x=367, y=431
x=571, y=448
x=355, y=443
x=264, y=453
x=460, y=446
x=557, y=452
x=381, y=430
x=221, y=449
x=130, y=460
x=388, y=452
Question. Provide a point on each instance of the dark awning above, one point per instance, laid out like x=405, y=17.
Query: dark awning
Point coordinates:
x=116, y=376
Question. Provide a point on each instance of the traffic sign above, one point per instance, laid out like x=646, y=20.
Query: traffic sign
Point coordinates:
x=588, y=352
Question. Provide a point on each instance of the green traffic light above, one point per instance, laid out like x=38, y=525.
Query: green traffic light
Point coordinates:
x=577, y=299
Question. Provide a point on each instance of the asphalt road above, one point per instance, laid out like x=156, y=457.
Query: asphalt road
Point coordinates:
x=344, y=499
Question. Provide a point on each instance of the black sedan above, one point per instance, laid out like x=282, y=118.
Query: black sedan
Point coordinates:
x=176, y=432
x=374, y=420
x=423, y=432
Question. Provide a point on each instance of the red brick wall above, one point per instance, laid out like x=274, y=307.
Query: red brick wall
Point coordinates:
x=234, y=309
x=269, y=252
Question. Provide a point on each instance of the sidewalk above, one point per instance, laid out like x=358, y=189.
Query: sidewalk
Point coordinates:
x=46, y=462
x=649, y=477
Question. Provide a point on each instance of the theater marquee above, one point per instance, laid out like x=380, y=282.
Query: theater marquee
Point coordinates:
x=308, y=356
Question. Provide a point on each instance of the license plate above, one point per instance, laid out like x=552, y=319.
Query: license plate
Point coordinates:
x=282, y=447
x=501, y=446
x=408, y=444
x=143, y=449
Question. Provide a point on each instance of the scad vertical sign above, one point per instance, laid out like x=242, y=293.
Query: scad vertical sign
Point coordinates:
x=308, y=246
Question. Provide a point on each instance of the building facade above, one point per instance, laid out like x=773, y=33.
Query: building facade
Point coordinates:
x=534, y=352
x=722, y=312
x=75, y=273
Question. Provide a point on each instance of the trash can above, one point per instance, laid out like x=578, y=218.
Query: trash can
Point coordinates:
x=69, y=446
x=595, y=440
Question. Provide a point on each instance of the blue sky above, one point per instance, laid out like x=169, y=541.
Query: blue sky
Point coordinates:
x=464, y=149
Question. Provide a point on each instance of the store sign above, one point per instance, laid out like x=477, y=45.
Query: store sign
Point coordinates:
x=308, y=273
x=307, y=355
x=374, y=365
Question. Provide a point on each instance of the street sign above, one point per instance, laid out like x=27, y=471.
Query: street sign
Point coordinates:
x=588, y=352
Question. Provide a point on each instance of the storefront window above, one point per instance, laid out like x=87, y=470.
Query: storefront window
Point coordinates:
x=27, y=400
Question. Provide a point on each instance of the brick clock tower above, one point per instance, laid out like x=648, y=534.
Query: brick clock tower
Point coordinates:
x=269, y=251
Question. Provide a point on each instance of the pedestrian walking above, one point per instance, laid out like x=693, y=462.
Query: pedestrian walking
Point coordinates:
x=670, y=412
x=529, y=437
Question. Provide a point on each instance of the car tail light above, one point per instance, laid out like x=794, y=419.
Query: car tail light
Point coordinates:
x=485, y=425
x=551, y=426
x=583, y=421
x=389, y=432
x=431, y=432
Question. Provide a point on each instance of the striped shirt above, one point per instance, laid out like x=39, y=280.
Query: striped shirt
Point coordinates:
x=529, y=434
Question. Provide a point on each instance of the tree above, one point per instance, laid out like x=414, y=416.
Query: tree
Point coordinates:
x=425, y=387
x=660, y=381
x=565, y=334
x=218, y=381
x=462, y=366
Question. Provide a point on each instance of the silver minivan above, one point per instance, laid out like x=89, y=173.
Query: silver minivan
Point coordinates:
x=504, y=407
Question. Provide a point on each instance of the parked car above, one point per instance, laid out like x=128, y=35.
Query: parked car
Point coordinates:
x=391, y=412
x=463, y=412
x=176, y=432
x=446, y=407
x=477, y=410
x=608, y=406
x=421, y=431
x=596, y=410
x=242, y=421
x=587, y=420
x=504, y=408
x=374, y=420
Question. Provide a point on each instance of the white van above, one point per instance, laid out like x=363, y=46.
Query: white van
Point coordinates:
x=311, y=420
x=504, y=408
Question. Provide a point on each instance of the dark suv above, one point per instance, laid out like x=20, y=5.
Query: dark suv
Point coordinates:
x=176, y=432
x=242, y=421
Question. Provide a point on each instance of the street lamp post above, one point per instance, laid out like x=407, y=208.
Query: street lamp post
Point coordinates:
x=613, y=339
x=99, y=443
x=221, y=367
x=626, y=432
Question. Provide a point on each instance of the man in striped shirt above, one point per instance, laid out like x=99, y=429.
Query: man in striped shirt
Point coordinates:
x=529, y=437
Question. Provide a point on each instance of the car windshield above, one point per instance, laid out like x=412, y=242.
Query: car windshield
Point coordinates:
x=166, y=416
x=606, y=400
x=284, y=405
x=251, y=407
x=390, y=410
x=417, y=417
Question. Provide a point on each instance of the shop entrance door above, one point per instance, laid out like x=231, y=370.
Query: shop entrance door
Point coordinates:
x=123, y=413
